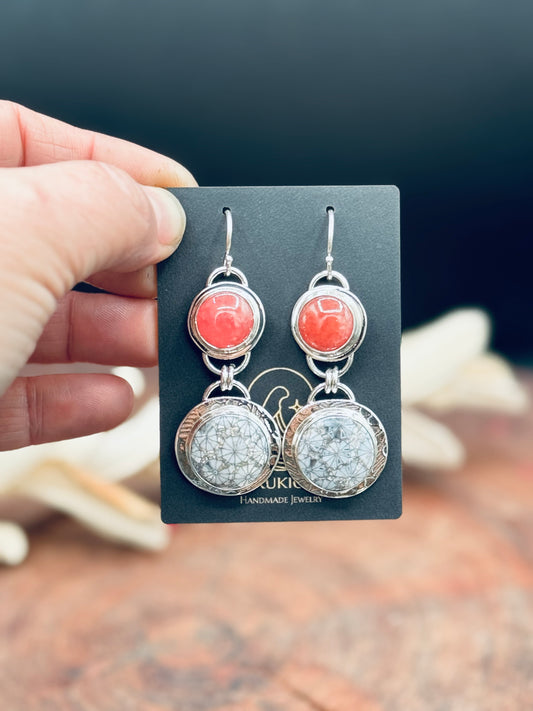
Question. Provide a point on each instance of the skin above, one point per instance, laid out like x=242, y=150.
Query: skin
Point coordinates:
x=77, y=206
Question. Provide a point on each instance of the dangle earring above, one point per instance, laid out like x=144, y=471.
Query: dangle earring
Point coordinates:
x=227, y=445
x=336, y=447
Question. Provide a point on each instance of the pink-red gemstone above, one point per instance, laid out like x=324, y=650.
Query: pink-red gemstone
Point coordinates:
x=325, y=323
x=225, y=319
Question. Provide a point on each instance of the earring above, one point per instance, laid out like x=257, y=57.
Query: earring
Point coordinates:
x=337, y=447
x=227, y=445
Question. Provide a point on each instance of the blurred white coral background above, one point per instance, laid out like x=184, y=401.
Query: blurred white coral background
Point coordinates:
x=445, y=367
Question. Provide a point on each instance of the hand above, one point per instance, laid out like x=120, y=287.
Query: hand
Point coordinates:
x=76, y=206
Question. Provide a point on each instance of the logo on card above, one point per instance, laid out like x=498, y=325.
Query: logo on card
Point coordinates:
x=281, y=391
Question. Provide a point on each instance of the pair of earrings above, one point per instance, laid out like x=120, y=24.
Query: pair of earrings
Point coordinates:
x=229, y=445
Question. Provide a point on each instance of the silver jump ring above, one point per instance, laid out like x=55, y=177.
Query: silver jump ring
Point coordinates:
x=329, y=275
x=226, y=377
x=218, y=371
x=323, y=373
x=322, y=387
x=331, y=229
x=222, y=270
x=228, y=259
x=236, y=384
x=332, y=380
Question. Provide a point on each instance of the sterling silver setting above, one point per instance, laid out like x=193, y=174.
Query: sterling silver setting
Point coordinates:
x=350, y=300
x=335, y=448
x=251, y=299
x=227, y=445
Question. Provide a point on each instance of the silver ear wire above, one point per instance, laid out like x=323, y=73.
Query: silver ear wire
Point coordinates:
x=331, y=229
x=228, y=259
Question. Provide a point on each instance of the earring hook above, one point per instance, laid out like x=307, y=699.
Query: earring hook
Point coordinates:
x=331, y=229
x=228, y=259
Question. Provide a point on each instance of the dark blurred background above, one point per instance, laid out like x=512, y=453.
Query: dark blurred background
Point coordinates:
x=433, y=97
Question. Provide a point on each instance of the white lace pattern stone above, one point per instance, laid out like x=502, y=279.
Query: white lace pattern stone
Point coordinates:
x=336, y=451
x=230, y=449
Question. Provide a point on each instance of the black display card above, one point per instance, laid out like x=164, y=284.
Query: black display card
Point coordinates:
x=279, y=242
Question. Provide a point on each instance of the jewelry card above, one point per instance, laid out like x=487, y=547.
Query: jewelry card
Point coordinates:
x=279, y=349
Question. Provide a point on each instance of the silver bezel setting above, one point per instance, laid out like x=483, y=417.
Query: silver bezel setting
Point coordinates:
x=300, y=424
x=207, y=410
x=249, y=342
x=359, y=321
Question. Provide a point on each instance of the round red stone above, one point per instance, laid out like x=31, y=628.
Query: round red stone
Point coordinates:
x=225, y=319
x=325, y=323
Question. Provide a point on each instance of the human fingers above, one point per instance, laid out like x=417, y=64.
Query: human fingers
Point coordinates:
x=29, y=138
x=100, y=328
x=60, y=223
x=46, y=408
x=140, y=283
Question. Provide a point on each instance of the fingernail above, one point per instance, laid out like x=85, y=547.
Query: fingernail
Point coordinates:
x=170, y=216
x=184, y=178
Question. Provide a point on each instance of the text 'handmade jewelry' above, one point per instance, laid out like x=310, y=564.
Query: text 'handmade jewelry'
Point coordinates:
x=337, y=447
x=227, y=445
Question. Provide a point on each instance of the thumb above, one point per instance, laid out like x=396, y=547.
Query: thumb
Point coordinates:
x=62, y=222
x=91, y=216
